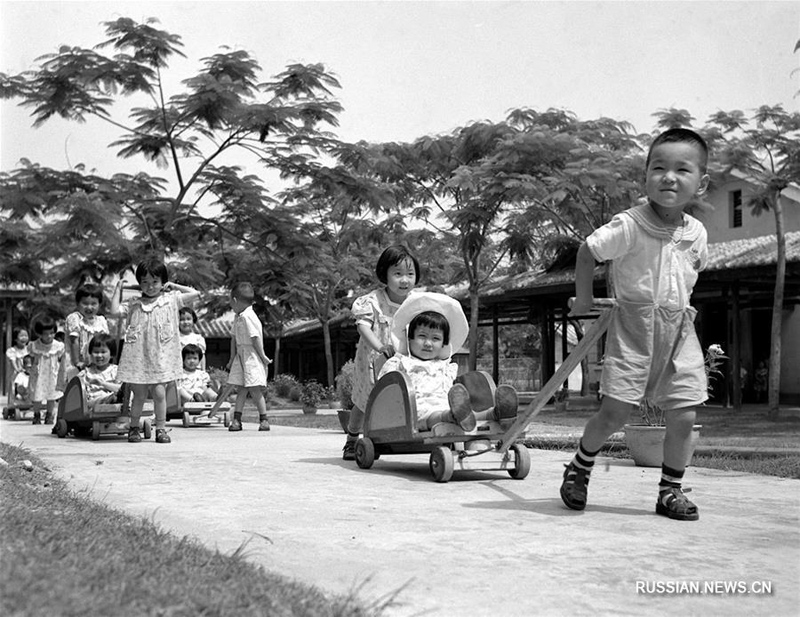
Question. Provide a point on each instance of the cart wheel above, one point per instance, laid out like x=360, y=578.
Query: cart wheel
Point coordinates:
x=5, y=413
x=441, y=463
x=61, y=428
x=95, y=430
x=226, y=419
x=147, y=429
x=187, y=422
x=522, y=462
x=365, y=452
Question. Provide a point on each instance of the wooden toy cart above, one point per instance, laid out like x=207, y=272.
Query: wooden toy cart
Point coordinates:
x=194, y=413
x=75, y=416
x=390, y=420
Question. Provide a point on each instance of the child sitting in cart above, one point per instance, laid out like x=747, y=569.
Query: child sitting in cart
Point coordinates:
x=100, y=383
x=21, y=385
x=427, y=328
x=195, y=384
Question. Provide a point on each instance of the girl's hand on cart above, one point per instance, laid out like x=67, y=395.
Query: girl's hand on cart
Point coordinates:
x=580, y=306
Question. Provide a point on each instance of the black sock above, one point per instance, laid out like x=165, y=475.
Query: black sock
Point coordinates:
x=237, y=415
x=670, y=478
x=583, y=458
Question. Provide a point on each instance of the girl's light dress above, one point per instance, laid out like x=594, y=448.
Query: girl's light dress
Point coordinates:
x=151, y=353
x=45, y=369
x=14, y=355
x=78, y=327
x=376, y=310
x=247, y=370
x=431, y=379
x=95, y=393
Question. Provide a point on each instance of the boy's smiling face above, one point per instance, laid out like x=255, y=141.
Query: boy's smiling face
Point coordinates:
x=674, y=176
x=426, y=343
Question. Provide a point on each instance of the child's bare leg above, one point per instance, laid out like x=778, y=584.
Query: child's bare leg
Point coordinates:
x=160, y=409
x=49, y=414
x=677, y=441
x=671, y=500
x=355, y=425
x=238, y=407
x=257, y=394
x=139, y=392
x=611, y=416
x=37, y=412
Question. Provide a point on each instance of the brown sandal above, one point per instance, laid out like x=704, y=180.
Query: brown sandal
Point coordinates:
x=674, y=504
x=574, y=486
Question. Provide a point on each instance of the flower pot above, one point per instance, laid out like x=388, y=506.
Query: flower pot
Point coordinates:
x=344, y=418
x=646, y=443
x=309, y=409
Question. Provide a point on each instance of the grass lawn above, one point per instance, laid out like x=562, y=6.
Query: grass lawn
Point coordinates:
x=67, y=555
x=722, y=428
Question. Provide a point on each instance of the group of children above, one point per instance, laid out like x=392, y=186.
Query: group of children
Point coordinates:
x=656, y=251
x=159, y=347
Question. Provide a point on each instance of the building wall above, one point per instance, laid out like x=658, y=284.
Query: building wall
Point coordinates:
x=719, y=222
x=790, y=355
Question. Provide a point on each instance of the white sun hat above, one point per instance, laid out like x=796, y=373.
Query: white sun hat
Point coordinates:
x=420, y=302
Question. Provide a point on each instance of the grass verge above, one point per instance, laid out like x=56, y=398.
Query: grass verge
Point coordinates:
x=67, y=555
x=720, y=429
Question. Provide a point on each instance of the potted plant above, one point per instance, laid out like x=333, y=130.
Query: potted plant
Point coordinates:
x=344, y=392
x=311, y=396
x=645, y=439
x=560, y=399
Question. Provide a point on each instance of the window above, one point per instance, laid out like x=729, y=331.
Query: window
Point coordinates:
x=736, y=208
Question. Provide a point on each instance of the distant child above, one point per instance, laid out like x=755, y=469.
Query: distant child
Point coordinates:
x=81, y=326
x=652, y=351
x=248, y=363
x=151, y=353
x=21, y=386
x=761, y=381
x=187, y=323
x=195, y=384
x=99, y=378
x=428, y=328
x=47, y=354
x=16, y=353
x=398, y=271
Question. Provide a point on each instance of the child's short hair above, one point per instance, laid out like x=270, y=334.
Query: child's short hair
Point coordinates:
x=433, y=320
x=45, y=324
x=103, y=340
x=89, y=290
x=681, y=135
x=15, y=333
x=243, y=291
x=154, y=267
x=192, y=348
x=392, y=256
x=187, y=310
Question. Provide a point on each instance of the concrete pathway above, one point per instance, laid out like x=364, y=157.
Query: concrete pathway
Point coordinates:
x=482, y=544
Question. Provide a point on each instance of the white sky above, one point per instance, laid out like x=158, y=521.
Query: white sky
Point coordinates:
x=413, y=68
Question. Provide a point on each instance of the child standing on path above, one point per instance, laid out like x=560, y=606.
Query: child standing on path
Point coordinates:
x=187, y=322
x=16, y=354
x=248, y=363
x=427, y=329
x=151, y=353
x=656, y=251
x=398, y=270
x=47, y=353
x=81, y=326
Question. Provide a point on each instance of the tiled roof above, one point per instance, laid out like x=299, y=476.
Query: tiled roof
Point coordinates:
x=751, y=252
x=215, y=328
x=728, y=255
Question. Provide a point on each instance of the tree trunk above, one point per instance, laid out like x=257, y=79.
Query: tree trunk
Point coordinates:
x=326, y=334
x=473, y=328
x=777, y=312
x=276, y=361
